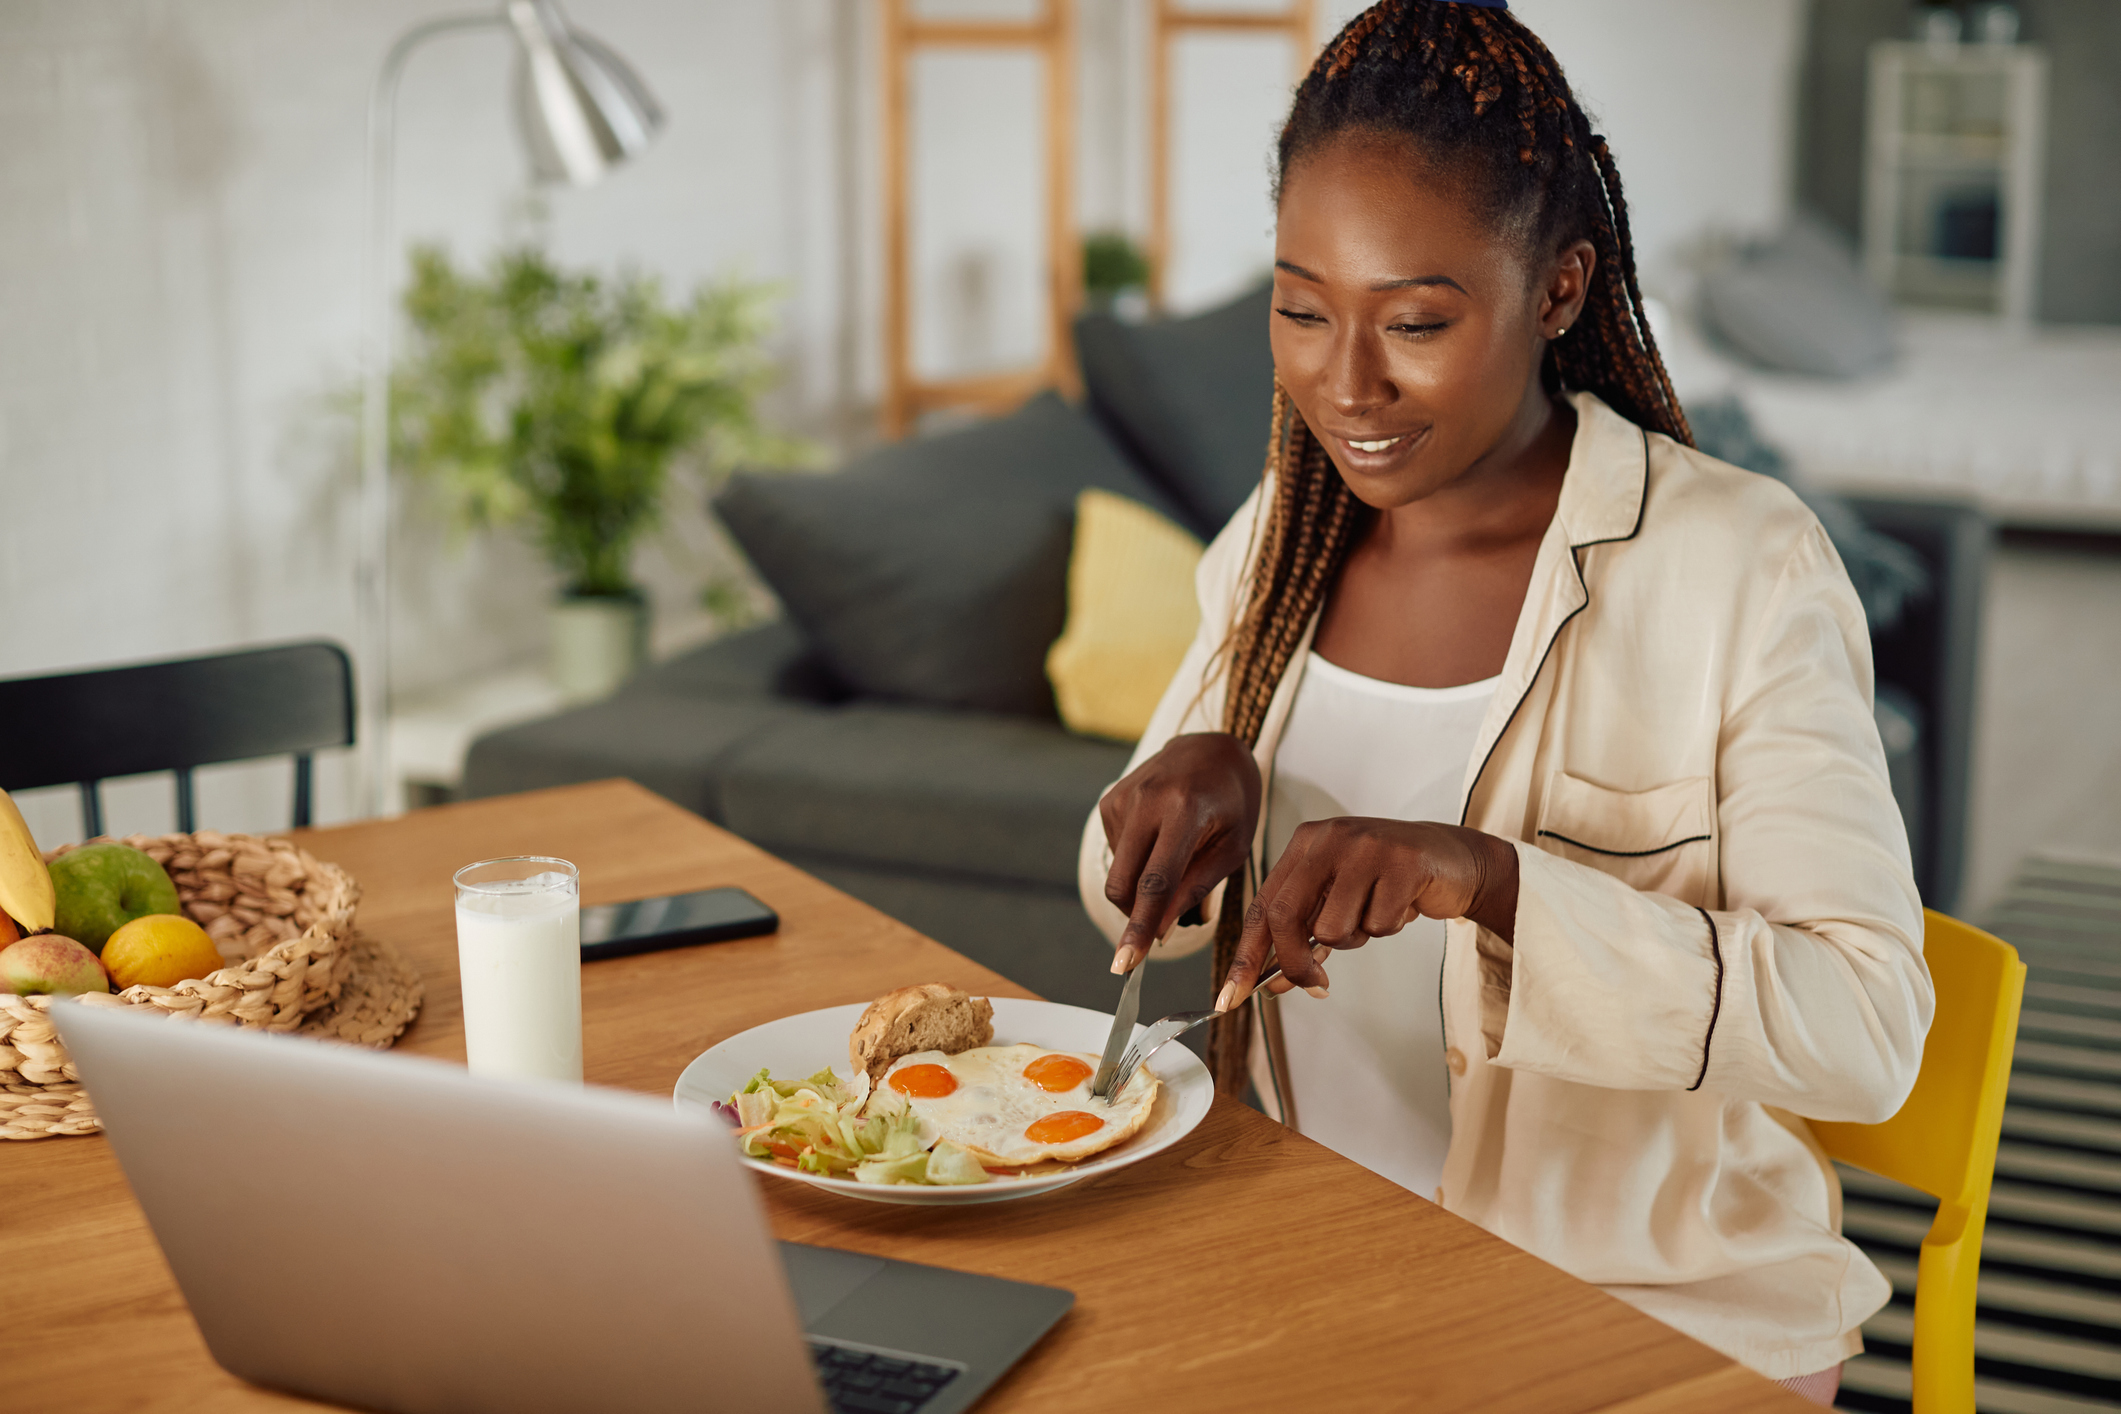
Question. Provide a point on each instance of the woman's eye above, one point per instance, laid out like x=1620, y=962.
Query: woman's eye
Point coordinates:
x=1300, y=316
x=1430, y=328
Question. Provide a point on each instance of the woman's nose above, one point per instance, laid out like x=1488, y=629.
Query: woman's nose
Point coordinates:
x=1355, y=383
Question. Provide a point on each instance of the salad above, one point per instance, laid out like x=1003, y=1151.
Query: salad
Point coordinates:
x=817, y=1126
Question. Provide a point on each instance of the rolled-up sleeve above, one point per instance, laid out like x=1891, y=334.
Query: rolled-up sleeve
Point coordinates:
x=1807, y=990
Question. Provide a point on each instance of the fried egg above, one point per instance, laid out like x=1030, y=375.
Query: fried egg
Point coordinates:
x=1018, y=1105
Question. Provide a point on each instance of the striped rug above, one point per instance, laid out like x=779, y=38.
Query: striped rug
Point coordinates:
x=2048, y=1336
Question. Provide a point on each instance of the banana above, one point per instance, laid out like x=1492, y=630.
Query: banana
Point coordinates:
x=25, y=882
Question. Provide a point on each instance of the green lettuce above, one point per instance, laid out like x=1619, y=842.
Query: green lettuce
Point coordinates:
x=947, y=1163
x=818, y=1124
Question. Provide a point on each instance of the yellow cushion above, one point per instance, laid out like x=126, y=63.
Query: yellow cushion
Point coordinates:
x=1131, y=616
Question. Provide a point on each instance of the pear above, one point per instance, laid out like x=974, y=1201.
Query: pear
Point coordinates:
x=25, y=883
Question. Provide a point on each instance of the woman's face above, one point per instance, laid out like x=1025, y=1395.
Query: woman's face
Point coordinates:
x=1406, y=329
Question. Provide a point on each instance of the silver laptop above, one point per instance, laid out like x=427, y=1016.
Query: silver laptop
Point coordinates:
x=397, y=1234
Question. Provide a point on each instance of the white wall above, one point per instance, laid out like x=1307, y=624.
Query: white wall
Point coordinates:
x=180, y=250
x=1697, y=97
x=180, y=256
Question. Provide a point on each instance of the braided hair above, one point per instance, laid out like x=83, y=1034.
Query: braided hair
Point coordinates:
x=1482, y=99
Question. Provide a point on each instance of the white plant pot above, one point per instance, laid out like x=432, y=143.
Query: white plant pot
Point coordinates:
x=597, y=643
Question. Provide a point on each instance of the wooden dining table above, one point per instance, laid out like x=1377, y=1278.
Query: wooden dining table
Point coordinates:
x=1246, y=1268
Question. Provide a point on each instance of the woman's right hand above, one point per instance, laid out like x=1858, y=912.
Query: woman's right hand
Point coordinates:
x=1179, y=824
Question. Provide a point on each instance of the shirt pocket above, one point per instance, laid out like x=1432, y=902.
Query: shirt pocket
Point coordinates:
x=1662, y=839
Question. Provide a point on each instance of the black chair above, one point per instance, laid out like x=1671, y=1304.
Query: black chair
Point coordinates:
x=88, y=727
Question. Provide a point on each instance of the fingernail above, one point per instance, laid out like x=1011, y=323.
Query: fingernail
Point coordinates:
x=1226, y=998
x=1318, y=992
x=1320, y=952
x=1123, y=961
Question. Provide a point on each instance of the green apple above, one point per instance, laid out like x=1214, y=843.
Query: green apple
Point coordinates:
x=48, y=964
x=103, y=887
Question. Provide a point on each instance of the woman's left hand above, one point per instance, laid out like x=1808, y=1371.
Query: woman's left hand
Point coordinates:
x=1343, y=882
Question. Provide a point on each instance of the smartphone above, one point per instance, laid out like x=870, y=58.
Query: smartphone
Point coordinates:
x=673, y=921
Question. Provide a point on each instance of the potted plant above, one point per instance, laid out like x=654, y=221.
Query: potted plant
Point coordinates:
x=1115, y=273
x=561, y=401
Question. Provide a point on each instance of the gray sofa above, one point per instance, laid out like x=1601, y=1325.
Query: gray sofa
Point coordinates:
x=962, y=824
x=894, y=734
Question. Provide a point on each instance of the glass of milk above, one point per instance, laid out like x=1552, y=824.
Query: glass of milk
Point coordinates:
x=519, y=952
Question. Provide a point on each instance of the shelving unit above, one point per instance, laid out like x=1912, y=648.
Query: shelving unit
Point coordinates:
x=1953, y=177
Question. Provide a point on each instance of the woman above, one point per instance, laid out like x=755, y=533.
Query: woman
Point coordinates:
x=1573, y=721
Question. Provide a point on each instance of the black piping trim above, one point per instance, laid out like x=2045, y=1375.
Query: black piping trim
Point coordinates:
x=1623, y=853
x=1716, y=1009
x=1576, y=563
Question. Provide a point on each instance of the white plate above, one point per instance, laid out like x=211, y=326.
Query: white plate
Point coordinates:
x=796, y=1046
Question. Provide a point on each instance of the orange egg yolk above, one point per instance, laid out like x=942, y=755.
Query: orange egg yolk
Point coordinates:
x=923, y=1082
x=1060, y=1128
x=1054, y=1073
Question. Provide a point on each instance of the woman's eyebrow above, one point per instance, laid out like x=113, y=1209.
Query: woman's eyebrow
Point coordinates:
x=1410, y=282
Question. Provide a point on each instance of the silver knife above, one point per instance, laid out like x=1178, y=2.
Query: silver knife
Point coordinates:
x=1130, y=1005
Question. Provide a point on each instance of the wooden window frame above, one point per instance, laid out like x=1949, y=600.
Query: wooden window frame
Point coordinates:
x=1052, y=37
x=1299, y=23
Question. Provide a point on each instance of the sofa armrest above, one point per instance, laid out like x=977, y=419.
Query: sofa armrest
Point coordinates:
x=678, y=747
x=1933, y=655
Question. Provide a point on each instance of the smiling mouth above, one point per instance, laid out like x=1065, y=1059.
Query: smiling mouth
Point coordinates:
x=1378, y=445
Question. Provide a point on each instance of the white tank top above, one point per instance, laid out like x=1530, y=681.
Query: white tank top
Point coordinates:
x=1367, y=1063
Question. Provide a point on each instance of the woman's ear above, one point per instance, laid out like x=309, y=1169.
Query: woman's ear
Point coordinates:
x=1568, y=286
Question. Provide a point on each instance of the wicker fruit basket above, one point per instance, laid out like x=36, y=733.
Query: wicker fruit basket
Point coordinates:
x=284, y=923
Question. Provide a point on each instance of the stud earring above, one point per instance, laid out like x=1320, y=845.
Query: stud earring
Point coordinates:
x=1562, y=330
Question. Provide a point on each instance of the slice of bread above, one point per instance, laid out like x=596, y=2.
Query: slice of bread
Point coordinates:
x=930, y=1017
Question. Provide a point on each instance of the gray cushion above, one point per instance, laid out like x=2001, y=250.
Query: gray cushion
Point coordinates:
x=675, y=746
x=969, y=793
x=1192, y=398
x=1799, y=303
x=935, y=571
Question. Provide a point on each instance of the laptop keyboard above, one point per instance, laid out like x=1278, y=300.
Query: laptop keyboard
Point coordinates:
x=859, y=1381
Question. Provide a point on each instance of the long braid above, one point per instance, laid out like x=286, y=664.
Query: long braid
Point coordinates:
x=1649, y=383
x=1313, y=523
x=1479, y=94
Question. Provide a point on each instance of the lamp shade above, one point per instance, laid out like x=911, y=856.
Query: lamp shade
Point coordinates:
x=582, y=110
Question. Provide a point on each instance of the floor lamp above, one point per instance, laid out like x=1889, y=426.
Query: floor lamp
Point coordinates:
x=581, y=111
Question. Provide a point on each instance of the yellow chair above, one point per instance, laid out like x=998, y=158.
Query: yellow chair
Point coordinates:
x=1943, y=1141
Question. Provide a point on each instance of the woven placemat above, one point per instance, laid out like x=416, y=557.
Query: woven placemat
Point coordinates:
x=378, y=1000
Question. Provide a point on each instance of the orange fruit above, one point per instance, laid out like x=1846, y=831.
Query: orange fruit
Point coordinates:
x=9, y=930
x=159, y=950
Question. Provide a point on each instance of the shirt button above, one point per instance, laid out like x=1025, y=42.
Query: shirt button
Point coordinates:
x=1456, y=1059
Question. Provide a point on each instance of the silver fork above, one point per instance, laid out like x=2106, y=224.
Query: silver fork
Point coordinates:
x=1162, y=1033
